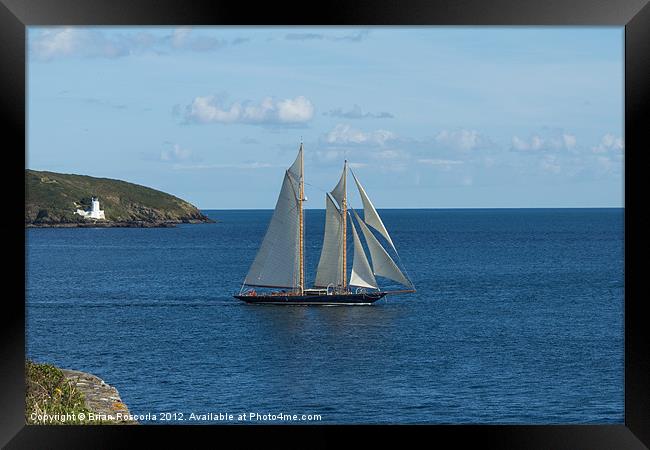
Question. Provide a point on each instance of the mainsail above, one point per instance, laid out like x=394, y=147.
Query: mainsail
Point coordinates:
x=382, y=263
x=278, y=261
x=370, y=215
x=330, y=265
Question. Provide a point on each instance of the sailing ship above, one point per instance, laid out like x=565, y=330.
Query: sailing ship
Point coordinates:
x=279, y=263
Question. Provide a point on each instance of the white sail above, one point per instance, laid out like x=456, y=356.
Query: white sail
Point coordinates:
x=277, y=262
x=339, y=191
x=370, y=215
x=382, y=263
x=296, y=168
x=330, y=265
x=361, y=272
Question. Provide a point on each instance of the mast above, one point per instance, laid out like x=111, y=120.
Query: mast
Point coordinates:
x=344, y=214
x=301, y=286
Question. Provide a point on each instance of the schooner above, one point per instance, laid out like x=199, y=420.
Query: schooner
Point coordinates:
x=279, y=263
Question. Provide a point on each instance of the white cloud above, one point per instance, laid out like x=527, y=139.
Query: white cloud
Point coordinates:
x=609, y=143
x=62, y=42
x=55, y=42
x=184, y=39
x=556, y=142
x=243, y=166
x=357, y=113
x=357, y=36
x=209, y=109
x=68, y=41
x=444, y=165
x=179, y=37
x=297, y=110
x=362, y=148
x=388, y=154
x=462, y=140
x=569, y=141
x=439, y=162
x=345, y=134
x=550, y=163
x=357, y=165
x=304, y=36
x=176, y=154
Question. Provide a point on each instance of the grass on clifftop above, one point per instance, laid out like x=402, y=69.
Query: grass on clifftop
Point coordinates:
x=48, y=394
x=54, y=197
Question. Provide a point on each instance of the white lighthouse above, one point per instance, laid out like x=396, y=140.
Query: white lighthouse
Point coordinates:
x=94, y=213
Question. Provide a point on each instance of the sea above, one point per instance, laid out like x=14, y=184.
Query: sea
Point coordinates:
x=517, y=319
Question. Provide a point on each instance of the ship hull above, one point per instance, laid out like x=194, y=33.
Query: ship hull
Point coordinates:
x=322, y=300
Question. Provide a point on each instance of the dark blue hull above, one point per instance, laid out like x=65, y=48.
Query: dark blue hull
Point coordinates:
x=334, y=299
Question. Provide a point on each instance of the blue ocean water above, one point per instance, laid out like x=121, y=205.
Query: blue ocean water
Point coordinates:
x=517, y=319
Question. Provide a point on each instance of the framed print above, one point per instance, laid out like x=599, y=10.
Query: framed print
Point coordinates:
x=326, y=222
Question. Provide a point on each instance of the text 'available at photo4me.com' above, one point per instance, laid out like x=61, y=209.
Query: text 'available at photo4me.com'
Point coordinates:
x=193, y=417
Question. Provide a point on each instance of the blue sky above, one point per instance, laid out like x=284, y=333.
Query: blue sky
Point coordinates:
x=439, y=117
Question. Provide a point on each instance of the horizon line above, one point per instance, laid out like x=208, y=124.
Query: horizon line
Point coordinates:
x=434, y=207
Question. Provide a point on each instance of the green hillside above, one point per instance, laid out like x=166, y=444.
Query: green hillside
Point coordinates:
x=52, y=198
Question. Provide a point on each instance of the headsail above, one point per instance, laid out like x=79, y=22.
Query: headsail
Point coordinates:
x=278, y=261
x=382, y=263
x=331, y=258
x=361, y=272
x=370, y=215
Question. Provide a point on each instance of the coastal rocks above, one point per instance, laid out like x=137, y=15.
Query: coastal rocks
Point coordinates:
x=111, y=224
x=101, y=398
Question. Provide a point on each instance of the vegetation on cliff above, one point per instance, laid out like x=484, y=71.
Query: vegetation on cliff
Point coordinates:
x=54, y=397
x=52, y=198
x=49, y=394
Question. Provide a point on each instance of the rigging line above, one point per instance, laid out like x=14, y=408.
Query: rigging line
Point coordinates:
x=317, y=187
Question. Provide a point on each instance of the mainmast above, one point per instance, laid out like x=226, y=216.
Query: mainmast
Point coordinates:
x=279, y=262
x=344, y=214
x=301, y=285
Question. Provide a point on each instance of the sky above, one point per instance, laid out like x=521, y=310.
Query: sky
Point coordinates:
x=428, y=117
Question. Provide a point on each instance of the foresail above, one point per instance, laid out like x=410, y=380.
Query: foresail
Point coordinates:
x=330, y=265
x=361, y=272
x=382, y=263
x=277, y=261
x=370, y=215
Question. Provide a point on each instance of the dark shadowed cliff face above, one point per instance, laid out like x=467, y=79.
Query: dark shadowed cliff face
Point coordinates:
x=52, y=198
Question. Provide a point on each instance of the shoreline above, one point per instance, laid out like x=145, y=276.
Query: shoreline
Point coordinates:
x=109, y=224
x=101, y=398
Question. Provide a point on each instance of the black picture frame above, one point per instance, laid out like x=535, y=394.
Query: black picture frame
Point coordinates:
x=16, y=15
